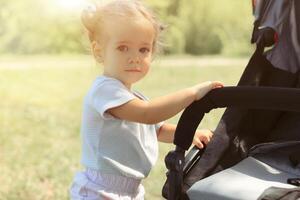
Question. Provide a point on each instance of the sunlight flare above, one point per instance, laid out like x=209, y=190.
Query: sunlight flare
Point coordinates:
x=72, y=4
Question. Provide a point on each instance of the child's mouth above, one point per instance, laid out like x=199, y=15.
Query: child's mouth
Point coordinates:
x=133, y=70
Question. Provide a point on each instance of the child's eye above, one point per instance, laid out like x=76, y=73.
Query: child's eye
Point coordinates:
x=122, y=48
x=144, y=50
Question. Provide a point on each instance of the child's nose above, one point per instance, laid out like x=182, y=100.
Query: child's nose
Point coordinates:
x=135, y=58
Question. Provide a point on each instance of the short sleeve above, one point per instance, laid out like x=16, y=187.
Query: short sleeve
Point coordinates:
x=108, y=94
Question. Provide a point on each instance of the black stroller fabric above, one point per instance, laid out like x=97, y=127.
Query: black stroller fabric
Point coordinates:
x=241, y=130
x=284, y=17
x=270, y=136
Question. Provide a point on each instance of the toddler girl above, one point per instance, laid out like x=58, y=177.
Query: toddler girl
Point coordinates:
x=120, y=127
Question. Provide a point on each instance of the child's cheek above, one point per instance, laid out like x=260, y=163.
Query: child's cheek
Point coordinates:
x=148, y=60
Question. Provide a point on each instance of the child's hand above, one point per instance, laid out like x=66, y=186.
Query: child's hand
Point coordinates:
x=202, y=137
x=202, y=89
x=216, y=84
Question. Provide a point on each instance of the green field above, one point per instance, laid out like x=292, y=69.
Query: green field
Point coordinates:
x=40, y=111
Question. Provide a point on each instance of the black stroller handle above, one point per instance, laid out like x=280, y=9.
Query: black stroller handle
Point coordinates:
x=246, y=97
x=268, y=98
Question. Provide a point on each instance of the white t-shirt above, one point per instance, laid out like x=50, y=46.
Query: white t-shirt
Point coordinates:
x=111, y=145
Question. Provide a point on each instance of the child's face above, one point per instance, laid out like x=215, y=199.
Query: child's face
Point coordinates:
x=127, y=51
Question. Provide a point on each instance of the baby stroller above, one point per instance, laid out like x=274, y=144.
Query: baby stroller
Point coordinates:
x=255, y=150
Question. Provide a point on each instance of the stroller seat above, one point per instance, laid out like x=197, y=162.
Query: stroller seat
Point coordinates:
x=256, y=144
x=246, y=180
x=263, y=165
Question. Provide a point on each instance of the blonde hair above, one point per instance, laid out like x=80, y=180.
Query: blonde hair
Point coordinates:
x=94, y=17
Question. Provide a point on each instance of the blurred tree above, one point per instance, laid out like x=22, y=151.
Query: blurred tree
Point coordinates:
x=194, y=27
x=206, y=27
x=173, y=8
x=27, y=27
x=200, y=34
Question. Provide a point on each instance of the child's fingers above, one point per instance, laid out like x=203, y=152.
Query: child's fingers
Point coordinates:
x=202, y=137
x=217, y=87
x=198, y=143
x=210, y=134
x=205, y=139
x=217, y=84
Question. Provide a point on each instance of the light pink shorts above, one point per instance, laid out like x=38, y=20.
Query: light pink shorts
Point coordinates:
x=93, y=185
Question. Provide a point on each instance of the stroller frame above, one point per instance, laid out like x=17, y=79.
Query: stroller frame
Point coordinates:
x=262, y=88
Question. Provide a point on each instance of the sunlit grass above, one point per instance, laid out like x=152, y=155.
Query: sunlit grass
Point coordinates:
x=40, y=112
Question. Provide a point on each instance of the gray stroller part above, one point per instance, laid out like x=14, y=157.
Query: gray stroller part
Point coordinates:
x=257, y=140
x=251, y=174
x=266, y=164
x=283, y=17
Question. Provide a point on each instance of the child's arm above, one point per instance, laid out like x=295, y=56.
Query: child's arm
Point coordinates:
x=164, y=107
x=166, y=134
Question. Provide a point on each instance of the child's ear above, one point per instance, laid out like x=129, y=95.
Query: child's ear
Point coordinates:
x=97, y=51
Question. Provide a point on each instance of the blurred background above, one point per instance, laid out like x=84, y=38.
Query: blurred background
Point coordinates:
x=194, y=27
x=46, y=69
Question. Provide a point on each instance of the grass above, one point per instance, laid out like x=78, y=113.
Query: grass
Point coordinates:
x=40, y=112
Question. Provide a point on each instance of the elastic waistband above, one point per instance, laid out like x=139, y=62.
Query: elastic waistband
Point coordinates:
x=120, y=184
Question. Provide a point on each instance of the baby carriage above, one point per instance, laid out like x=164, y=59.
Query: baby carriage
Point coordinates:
x=255, y=150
